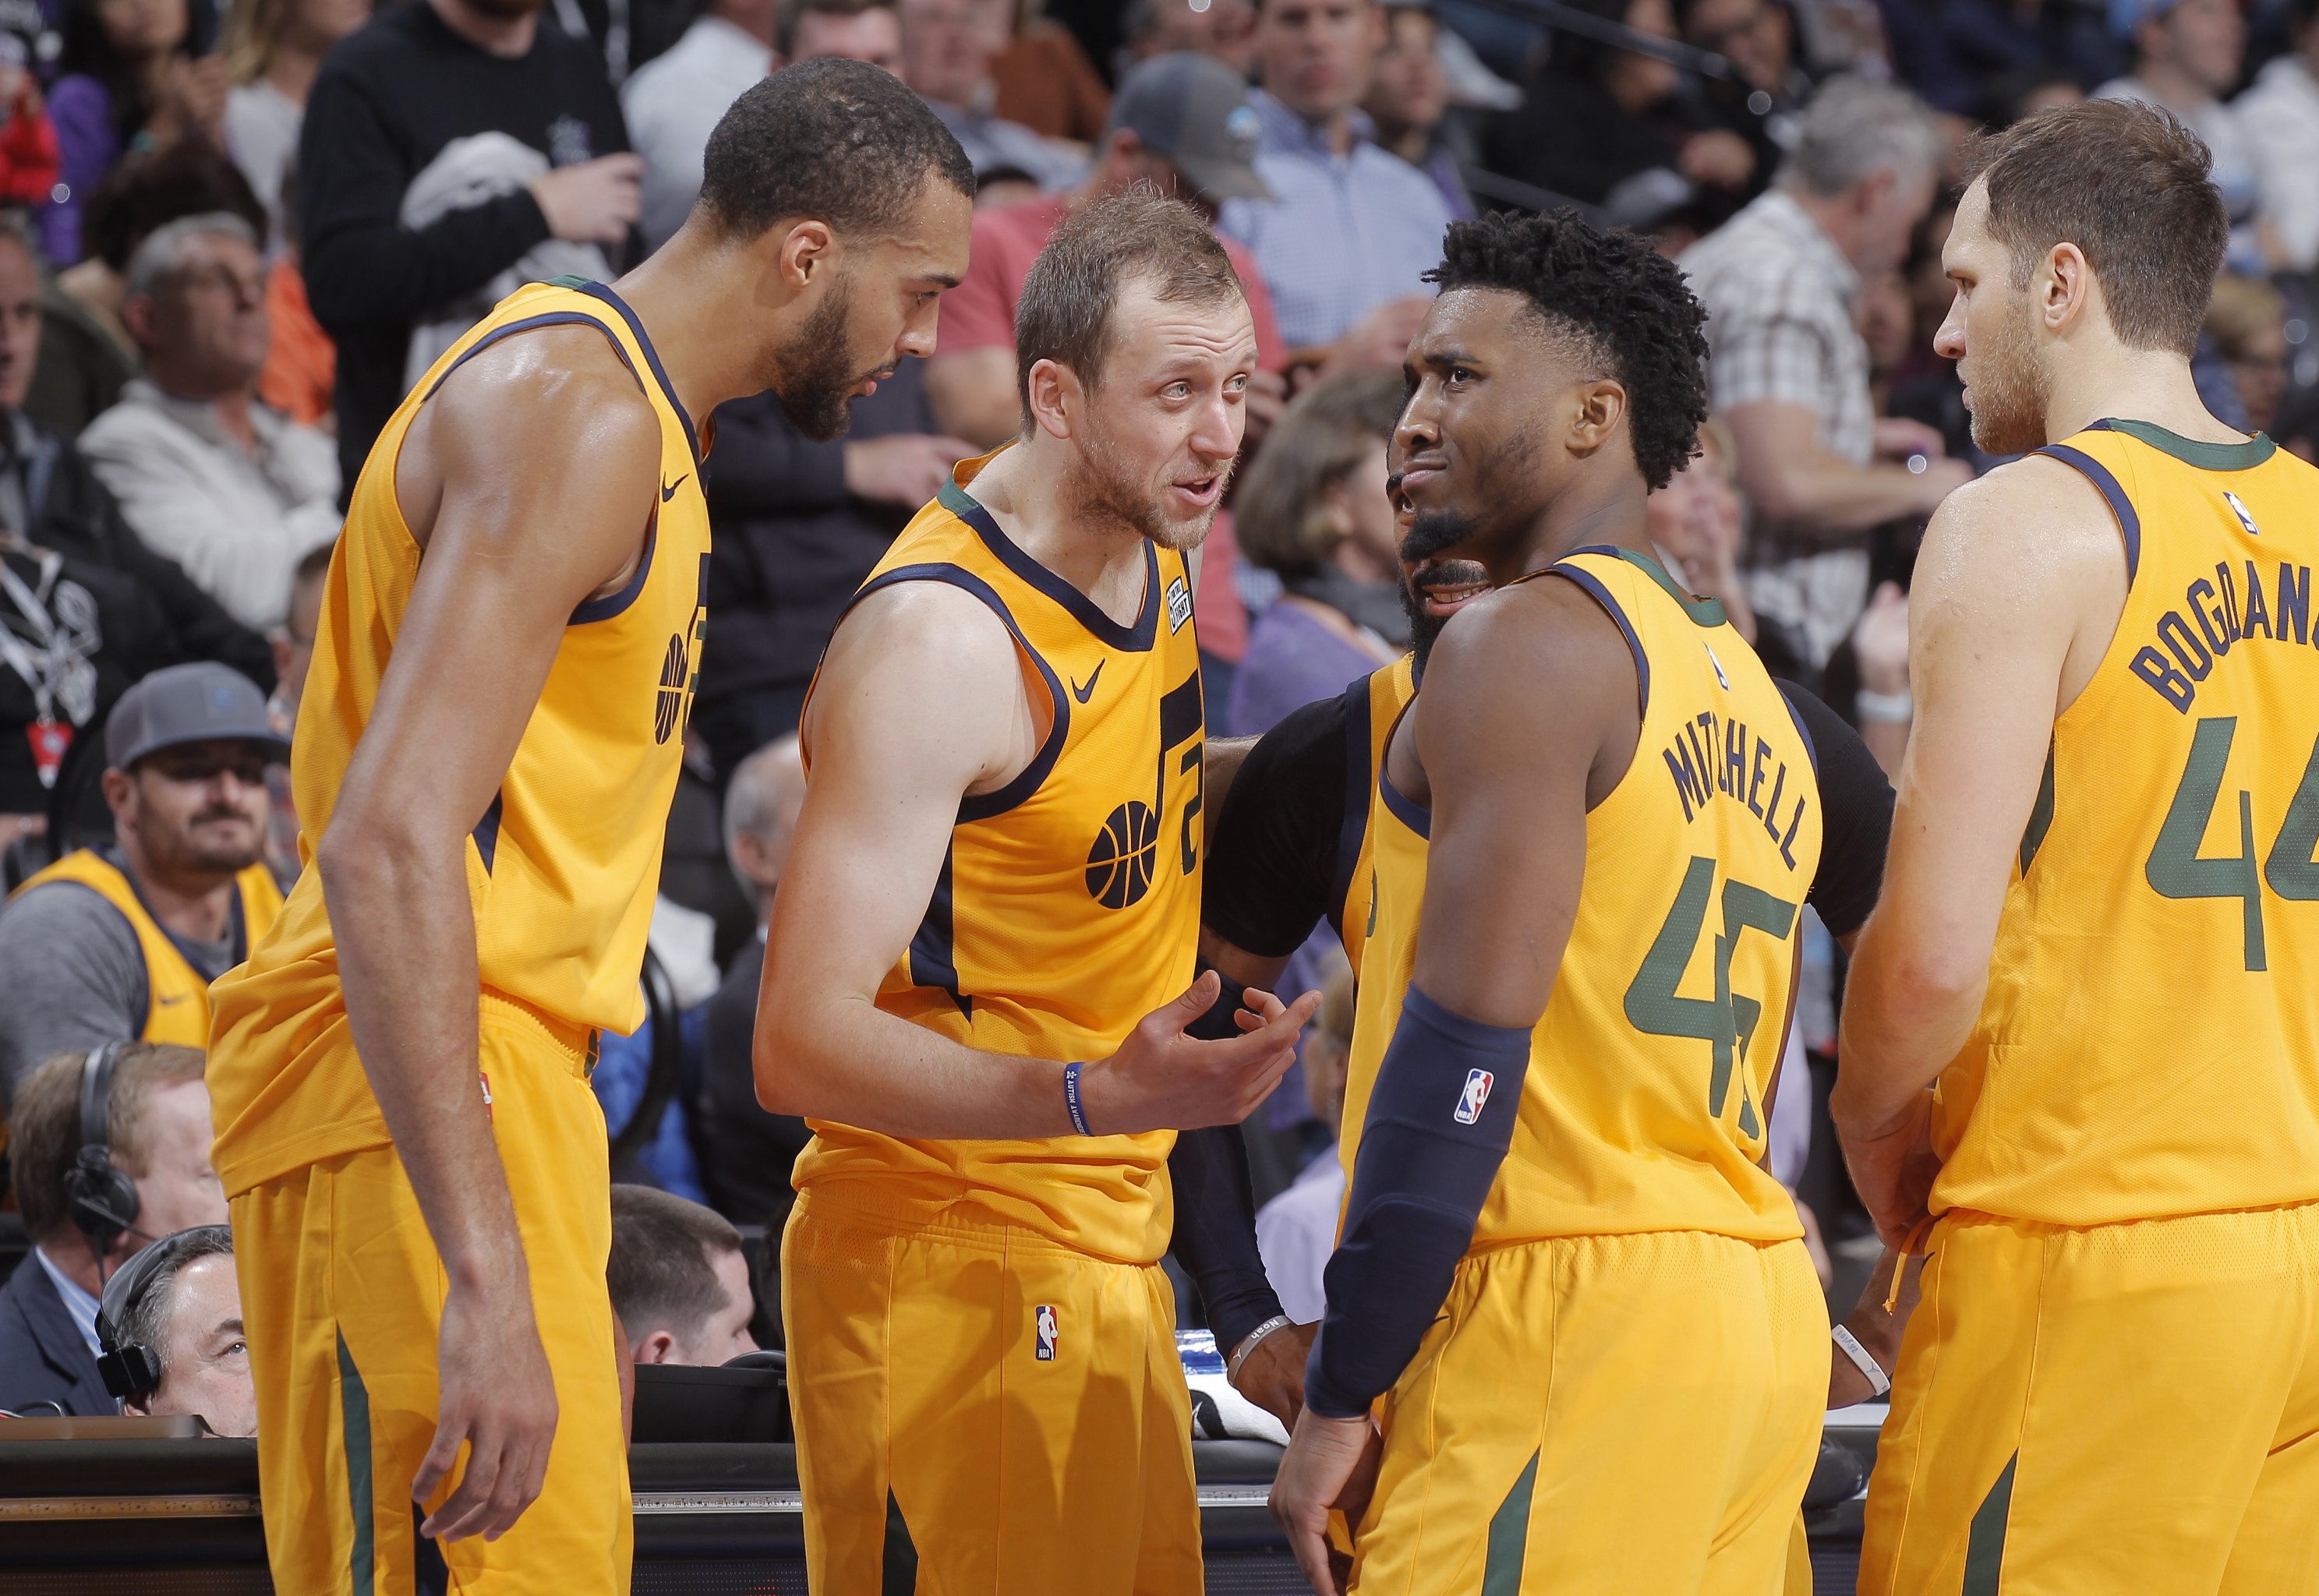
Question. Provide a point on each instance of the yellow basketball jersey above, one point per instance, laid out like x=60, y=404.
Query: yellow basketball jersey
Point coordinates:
x=1642, y=1105
x=1068, y=905
x=563, y=864
x=1373, y=708
x=2149, y=1043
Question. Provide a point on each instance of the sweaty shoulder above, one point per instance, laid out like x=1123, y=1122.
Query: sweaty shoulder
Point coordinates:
x=2035, y=527
x=552, y=414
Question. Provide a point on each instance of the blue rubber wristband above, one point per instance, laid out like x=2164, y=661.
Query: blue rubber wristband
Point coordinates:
x=1072, y=1098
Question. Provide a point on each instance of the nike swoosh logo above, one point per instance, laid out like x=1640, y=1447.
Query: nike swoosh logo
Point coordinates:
x=169, y=1002
x=1084, y=693
x=668, y=489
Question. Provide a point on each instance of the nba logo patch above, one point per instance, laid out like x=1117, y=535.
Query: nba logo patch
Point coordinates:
x=2240, y=511
x=1046, y=1322
x=1476, y=1094
x=1180, y=605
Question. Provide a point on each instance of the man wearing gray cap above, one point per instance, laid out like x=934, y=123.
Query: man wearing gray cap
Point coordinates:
x=120, y=943
x=1180, y=123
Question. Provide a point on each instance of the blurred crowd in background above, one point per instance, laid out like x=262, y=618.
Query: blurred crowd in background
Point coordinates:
x=232, y=235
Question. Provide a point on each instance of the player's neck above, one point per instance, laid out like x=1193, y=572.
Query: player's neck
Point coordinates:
x=1607, y=511
x=683, y=294
x=2149, y=385
x=1027, y=490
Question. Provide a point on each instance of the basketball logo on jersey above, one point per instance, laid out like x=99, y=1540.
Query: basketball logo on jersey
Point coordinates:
x=1476, y=1097
x=1045, y=1317
x=1120, y=862
x=680, y=668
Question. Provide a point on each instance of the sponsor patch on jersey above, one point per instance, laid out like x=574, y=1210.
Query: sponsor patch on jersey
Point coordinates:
x=1180, y=605
x=1475, y=1097
x=1045, y=1316
x=2240, y=511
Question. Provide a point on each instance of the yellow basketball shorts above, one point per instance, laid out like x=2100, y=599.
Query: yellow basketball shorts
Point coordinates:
x=1019, y=1403
x=1604, y=1413
x=2122, y=1408
x=342, y=1293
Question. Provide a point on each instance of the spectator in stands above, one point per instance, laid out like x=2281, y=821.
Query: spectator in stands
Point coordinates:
x=672, y=101
x=1225, y=29
x=799, y=523
x=86, y=355
x=2247, y=321
x=230, y=489
x=1181, y=124
x=133, y=78
x=1350, y=230
x=1314, y=511
x=679, y=1281
x=1789, y=371
x=88, y=609
x=856, y=29
x=274, y=47
x=1698, y=522
x=156, y=1133
x=1968, y=57
x=1762, y=101
x=121, y=942
x=1605, y=125
x=2279, y=116
x=946, y=51
x=300, y=376
x=293, y=652
x=1409, y=101
x=747, y=1151
x=1040, y=77
x=2187, y=56
x=390, y=103
x=188, y=1316
x=30, y=159
x=1296, y=1232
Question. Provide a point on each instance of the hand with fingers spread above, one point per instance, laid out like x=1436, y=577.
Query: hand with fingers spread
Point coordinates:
x=1331, y=1463
x=499, y=1398
x=1162, y=1079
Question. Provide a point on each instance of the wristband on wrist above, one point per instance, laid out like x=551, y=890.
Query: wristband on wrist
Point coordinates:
x=1891, y=708
x=1072, y=1098
x=1862, y=1359
x=1248, y=1344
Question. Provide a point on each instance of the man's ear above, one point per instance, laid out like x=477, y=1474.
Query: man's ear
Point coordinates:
x=137, y=316
x=1602, y=407
x=1057, y=397
x=807, y=251
x=659, y=1346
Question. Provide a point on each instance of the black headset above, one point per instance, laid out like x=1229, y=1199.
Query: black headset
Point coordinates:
x=131, y=1368
x=103, y=1199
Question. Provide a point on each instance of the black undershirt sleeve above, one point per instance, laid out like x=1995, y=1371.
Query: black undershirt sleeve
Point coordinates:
x=1855, y=815
x=1272, y=864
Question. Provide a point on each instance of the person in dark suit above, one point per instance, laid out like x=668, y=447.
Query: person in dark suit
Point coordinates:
x=747, y=1152
x=95, y=1189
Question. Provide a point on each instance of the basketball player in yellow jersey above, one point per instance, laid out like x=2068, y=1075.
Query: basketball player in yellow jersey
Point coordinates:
x=487, y=746
x=1598, y=1341
x=2098, y=941
x=980, y=965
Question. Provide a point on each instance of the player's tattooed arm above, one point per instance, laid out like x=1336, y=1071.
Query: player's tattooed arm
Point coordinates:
x=922, y=700
x=530, y=478
x=2006, y=627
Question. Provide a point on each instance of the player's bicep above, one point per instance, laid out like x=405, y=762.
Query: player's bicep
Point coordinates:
x=917, y=705
x=1508, y=736
x=512, y=553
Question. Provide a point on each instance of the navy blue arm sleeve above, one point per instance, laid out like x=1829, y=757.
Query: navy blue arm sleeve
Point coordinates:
x=1215, y=1208
x=1439, y=1122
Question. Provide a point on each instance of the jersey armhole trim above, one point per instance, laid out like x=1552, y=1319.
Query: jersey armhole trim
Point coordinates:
x=1592, y=585
x=598, y=290
x=1355, y=822
x=2129, y=524
x=612, y=604
x=989, y=805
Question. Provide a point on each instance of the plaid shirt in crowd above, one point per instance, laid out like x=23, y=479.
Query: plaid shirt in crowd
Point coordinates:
x=1779, y=297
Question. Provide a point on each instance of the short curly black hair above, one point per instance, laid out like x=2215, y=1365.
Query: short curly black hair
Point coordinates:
x=1624, y=301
